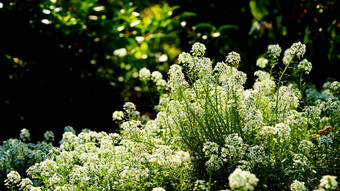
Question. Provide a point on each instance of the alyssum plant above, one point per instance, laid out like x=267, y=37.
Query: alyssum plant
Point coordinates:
x=209, y=134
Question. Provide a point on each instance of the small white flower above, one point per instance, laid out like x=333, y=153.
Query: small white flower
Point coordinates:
x=24, y=135
x=120, y=52
x=306, y=146
x=328, y=182
x=325, y=141
x=242, y=180
x=262, y=62
x=25, y=184
x=305, y=66
x=129, y=107
x=118, y=115
x=13, y=177
x=156, y=75
x=49, y=136
x=184, y=57
x=298, y=49
x=135, y=23
x=274, y=51
x=198, y=49
x=144, y=74
x=297, y=186
x=233, y=58
x=158, y=189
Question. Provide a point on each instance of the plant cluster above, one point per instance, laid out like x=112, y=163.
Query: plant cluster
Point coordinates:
x=210, y=133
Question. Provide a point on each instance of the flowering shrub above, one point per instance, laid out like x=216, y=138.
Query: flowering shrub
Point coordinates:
x=209, y=134
x=18, y=155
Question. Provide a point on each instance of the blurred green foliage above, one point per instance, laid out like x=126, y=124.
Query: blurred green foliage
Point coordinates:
x=116, y=36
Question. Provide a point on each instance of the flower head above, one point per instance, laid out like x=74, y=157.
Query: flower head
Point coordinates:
x=297, y=186
x=49, y=136
x=233, y=58
x=328, y=182
x=306, y=66
x=158, y=189
x=13, y=177
x=274, y=51
x=298, y=49
x=156, y=76
x=144, y=74
x=262, y=62
x=198, y=49
x=242, y=180
x=184, y=57
x=129, y=107
x=24, y=135
x=118, y=116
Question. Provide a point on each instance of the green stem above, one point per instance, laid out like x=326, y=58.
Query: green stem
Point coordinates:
x=210, y=175
x=149, y=93
x=301, y=89
x=181, y=179
x=278, y=90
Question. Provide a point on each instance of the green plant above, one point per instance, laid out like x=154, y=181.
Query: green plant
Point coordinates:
x=17, y=155
x=260, y=129
x=209, y=134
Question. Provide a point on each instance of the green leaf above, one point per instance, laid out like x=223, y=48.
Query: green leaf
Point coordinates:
x=257, y=10
x=205, y=26
x=187, y=14
x=227, y=27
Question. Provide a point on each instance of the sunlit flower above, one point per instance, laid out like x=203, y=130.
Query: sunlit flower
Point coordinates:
x=144, y=74
x=198, y=49
x=329, y=182
x=13, y=177
x=274, y=51
x=297, y=186
x=118, y=115
x=305, y=66
x=262, y=62
x=24, y=135
x=242, y=180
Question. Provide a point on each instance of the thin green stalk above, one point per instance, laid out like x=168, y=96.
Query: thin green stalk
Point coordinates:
x=278, y=89
x=149, y=93
x=301, y=89
x=181, y=179
x=210, y=175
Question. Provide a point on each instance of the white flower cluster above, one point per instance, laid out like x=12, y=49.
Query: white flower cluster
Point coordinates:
x=262, y=62
x=298, y=49
x=13, y=177
x=335, y=87
x=24, y=135
x=274, y=51
x=306, y=146
x=117, y=115
x=305, y=66
x=298, y=186
x=329, y=182
x=325, y=141
x=242, y=180
x=16, y=154
x=279, y=133
x=233, y=58
x=198, y=49
x=112, y=161
x=144, y=74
